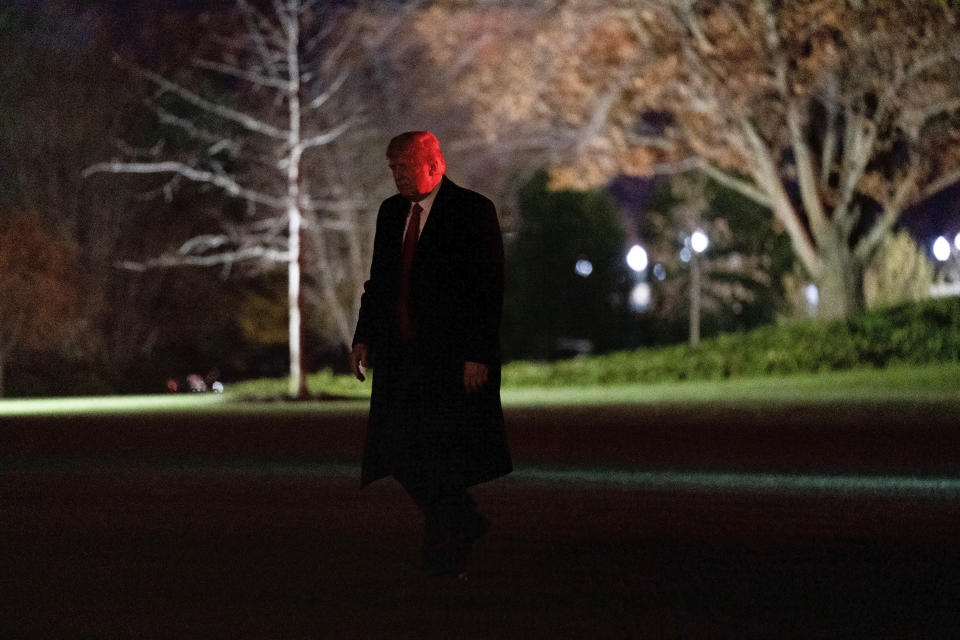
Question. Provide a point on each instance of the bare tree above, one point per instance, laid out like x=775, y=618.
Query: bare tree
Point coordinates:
x=281, y=76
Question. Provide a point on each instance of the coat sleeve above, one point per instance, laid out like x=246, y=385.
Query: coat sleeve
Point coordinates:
x=485, y=275
x=375, y=301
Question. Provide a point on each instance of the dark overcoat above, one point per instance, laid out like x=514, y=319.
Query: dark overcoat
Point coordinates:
x=421, y=417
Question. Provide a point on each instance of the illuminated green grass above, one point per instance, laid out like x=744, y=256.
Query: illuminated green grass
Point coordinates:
x=931, y=385
x=184, y=403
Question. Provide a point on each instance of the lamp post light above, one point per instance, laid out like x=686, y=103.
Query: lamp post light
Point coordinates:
x=638, y=261
x=941, y=249
x=637, y=258
x=698, y=242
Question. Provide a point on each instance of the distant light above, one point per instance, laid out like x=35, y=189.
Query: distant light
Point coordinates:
x=956, y=241
x=685, y=254
x=812, y=294
x=659, y=272
x=583, y=267
x=699, y=241
x=640, y=297
x=941, y=249
x=637, y=258
x=217, y=387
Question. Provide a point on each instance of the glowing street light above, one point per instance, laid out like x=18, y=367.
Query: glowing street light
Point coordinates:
x=637, y=258
x=583, y=267
x=640, y=296
x=698, y=242
x=941, y=249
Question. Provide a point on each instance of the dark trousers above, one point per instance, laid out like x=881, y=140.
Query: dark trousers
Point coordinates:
x=451, y=518
x=450, y=514
x=447, y=510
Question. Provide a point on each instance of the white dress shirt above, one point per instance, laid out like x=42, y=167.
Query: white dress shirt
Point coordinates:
x=427, y=204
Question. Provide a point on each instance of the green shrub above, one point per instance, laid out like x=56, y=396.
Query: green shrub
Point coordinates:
x=914, y=333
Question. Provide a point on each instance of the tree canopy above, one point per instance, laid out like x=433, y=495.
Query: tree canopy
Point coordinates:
x=836, y=115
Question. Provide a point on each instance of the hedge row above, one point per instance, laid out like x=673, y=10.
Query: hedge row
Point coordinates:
x=915, y=333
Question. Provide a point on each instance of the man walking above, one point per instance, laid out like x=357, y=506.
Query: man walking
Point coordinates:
x=429, y=325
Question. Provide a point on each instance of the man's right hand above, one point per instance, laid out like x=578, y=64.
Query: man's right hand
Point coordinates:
x=358, y=361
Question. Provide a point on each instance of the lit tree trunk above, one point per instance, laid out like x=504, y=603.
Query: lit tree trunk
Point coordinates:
x=298, y=380
x=840, y=279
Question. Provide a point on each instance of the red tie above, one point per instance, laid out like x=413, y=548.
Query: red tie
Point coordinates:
x=404, y=321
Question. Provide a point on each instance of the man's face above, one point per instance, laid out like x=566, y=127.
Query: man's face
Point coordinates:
x=415, y=176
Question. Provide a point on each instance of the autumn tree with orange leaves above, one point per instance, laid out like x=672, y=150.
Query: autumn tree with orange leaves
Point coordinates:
x=836, y=115
x=37, y=287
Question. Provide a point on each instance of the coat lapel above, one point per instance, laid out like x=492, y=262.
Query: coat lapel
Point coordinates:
x=434, y=220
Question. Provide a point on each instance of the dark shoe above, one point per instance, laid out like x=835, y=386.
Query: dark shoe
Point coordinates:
x=461, y=544
x=476, y=529
x=445, y=553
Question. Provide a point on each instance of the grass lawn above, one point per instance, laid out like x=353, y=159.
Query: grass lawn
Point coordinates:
x=937, y=385
x=927, y=384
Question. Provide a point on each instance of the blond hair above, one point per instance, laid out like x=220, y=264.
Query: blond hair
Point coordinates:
x=423, y=145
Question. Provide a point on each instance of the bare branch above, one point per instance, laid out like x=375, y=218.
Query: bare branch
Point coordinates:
x=859, y=139
x=913, y=120
x=828, y=155
x=805, y=175
x=166, y=190
x=242, y=74
x=892, y=210
x=229, y=257
x=327, y=137
x=220, y=180
x=941, y=183
x=252, y=17
x=768, y=177
x=774, y=46
x=284, y=18
x=740, y=186
x=247, y=121
x=335, y=86
x=903, y=76
x=217, y=142
x=203, y=243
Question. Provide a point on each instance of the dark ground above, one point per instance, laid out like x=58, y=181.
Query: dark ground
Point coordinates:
x=238, y=526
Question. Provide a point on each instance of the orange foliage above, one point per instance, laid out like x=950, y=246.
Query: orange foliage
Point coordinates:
x=37, y=285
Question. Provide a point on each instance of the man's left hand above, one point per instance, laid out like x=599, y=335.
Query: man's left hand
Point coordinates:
x=475, y=375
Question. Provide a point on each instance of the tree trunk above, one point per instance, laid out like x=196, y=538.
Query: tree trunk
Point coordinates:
x=695, y=294
x=298, y=379
x=840, y=281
